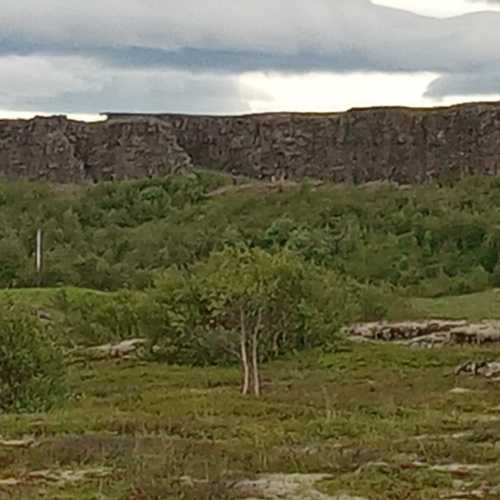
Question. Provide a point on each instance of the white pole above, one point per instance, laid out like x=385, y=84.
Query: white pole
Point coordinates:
x=39, y=251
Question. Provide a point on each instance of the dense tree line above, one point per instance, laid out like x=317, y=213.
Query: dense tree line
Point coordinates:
x=427, y=240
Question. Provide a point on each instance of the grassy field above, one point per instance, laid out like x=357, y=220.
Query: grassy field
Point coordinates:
x=147, y=425
x=44, y=298
x=367, y=415
x=473, y=307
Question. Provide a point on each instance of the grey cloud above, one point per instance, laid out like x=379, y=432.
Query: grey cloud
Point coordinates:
x=73, y=85
x=241, y=35
x=202, y=61
x=465, y=84
x=211, y=41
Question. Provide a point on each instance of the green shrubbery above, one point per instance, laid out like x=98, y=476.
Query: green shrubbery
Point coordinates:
x=244, y=304
x=426, y=240
x=31, y=365
x=240, y=304
x=243, y=277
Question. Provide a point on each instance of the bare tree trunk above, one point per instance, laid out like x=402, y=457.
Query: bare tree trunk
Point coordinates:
x=255, y=354
x=276, y=343
x=243, y=353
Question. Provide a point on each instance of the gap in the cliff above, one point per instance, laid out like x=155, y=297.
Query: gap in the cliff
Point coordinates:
x=441, y=8
x=27, y=115
x=323, y=92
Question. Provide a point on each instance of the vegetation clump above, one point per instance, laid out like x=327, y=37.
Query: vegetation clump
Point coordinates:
x=244, y=304
x=31, y=365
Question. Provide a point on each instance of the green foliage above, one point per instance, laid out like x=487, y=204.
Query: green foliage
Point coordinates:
x=169, y=316
x=97, y=318
x=425, y=240
x=258, y=291
x=198, y=316
x=31, y=365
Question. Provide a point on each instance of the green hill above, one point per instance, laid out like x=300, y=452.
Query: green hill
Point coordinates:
x=425, y=240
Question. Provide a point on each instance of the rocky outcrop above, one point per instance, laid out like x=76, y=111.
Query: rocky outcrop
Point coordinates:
x=402, y=145
x=427, y=333
x=406, y=146
x=60, y=150
x=483, y=368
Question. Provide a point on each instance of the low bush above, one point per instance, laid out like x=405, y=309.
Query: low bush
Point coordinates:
x=31, y=364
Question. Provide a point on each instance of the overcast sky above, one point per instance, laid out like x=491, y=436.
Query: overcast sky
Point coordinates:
x=238, y=56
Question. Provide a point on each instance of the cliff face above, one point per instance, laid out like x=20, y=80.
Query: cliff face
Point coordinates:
x=397, y=144
x=60, y=150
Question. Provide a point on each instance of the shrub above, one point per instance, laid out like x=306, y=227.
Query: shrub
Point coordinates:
x=169, y=316
x=91, y=318
x=31, y=365
x=244, y=304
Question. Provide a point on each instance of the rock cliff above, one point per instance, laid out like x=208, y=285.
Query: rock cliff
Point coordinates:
x=398, y=144
x=61, y=150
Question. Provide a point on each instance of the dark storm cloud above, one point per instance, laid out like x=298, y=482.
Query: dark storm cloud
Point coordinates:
x=197, y=40
x=251, y=34
x=64, y=84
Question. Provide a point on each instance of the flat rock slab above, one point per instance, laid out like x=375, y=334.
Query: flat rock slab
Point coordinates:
x=121, y=349
x=428, y=333
x=461, y=390
x=289, y=486
x=460, y=469
x=488, y=369
x=454, y=469
x=60, y=477
x=17, y=443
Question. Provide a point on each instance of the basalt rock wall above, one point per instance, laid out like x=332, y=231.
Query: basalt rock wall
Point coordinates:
x=60, y=150
x=396, y=144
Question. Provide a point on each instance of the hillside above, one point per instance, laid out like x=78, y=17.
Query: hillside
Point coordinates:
x=137, y=263
x=426, y=241
x=403, y=145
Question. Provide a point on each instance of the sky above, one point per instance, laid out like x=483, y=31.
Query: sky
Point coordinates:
x=244, y=56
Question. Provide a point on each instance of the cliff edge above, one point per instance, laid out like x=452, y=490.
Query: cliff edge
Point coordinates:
x=402, y=145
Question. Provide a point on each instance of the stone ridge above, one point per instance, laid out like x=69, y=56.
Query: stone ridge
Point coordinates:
x=60, y=150
x=402, y=145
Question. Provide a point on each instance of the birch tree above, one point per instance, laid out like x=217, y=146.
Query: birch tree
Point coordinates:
x=251, y=295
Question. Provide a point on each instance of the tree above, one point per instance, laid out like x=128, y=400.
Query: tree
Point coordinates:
x=244, y=304
x=256, y=300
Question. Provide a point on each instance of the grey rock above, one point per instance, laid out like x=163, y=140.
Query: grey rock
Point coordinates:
x=430, y=333
x=400, y=145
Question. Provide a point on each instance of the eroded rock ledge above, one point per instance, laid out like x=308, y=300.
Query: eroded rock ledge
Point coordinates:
x=60, y=150
x=401, y=145
x=428, y=333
